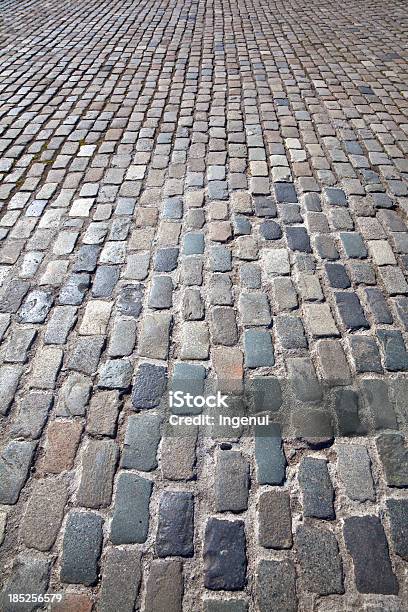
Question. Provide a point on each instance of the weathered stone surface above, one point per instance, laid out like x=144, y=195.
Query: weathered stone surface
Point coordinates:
x=99, y=460
x=269, y=455
x=275, y=586
x=355, y=471
x=9, y=379
x=231, y=482
x=81, y=548
x=30, y=574
x=317, y=488
x=73, y=396
x=176, y=524
x=275, y=521
x=366, y=542
x=149, y=386
x=103, y=413
x=121, y=577
x=320, y=562
x=164, y=588
x=141, y=442
x=61, y=445
x=130, y=521
x=44, y=513
x=224, y=555
x=394, y=457
x=154, y=336
x=15, y=461
x=178, y=455
x=397, y=510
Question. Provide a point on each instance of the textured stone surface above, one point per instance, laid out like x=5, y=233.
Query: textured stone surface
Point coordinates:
x=164, y=588
x=275, y=522
x=231, y=482
x=366, y=542
x=175, y=528
x=224, y=555
x=317, y=488
x=48, y=499
x=121, y=576
x=213, y=193
x=130, y=520
x=320, y=561
x=98, y=466
x=275, y=583
x=15, y=461
x=81, y=548
x=30, y=574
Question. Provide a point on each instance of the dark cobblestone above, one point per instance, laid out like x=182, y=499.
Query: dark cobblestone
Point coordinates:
x=224, y=555
x=366, y=542
x=175, y=528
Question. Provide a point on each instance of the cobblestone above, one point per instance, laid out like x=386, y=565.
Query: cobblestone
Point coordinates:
x=214, y=192
x=367, y=544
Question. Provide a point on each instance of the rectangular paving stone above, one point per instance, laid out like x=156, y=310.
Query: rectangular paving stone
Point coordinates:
x=85, y=353
x=302, y=377
x=149, y=386
x=275, y=520
x=276, y=262
x=44, y=513
x=377, y=399
x=254, y=309
x=258, y=348
x=141, y=442
x=333, y=363
x=96, y=317
x=393, y=453
x=164, y=587
x=102, y=413
x=320, y=321
x=355, y=471
x=175, y=529
x=224, y=555
x=350, y=310
x=81, y=548
x=154, y=336
x=270, y=459
x=45, y=367
x=231, y=482
x=61, y=445
x=9, y=379
x=367, y=544
x=321, y=567
x=224, y=326
x=130, y=521
x=32, y=415
x=121, y=577
x=276, y=586
x=397, y=510
x=60, y=324
x=98, y=464
x=15, y=462
x=317, y=488
x=122, y=337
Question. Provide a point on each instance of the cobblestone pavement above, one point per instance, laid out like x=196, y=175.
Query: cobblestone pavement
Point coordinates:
x=212, y=192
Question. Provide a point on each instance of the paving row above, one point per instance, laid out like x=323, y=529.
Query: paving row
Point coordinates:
x=212, y=192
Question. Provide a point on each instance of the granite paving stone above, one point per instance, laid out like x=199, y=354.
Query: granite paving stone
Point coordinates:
x=207, y=199
x=366, y=542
